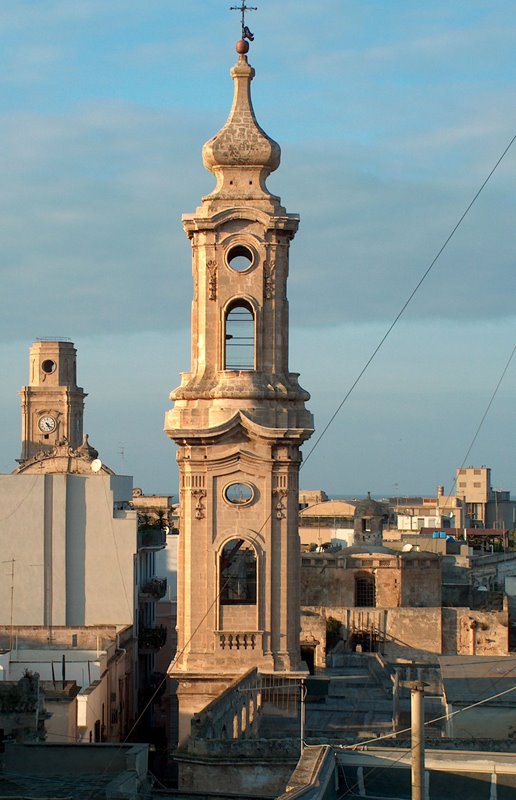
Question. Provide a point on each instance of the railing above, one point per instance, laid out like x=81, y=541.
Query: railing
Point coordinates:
x=233, y=640
x=152, y=638
x=151, y=538
x=153, y=589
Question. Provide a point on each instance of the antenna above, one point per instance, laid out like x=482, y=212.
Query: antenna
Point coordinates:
x=96, y=465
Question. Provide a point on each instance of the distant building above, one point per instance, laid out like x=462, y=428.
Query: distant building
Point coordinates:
x=484, y=506
x=75, y=557
x=413, y=513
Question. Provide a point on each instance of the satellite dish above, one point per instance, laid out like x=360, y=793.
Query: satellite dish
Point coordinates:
x=96, y=465
x=407, y=548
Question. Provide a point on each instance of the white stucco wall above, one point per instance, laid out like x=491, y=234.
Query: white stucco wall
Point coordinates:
x=166, y=566
x=73, y=555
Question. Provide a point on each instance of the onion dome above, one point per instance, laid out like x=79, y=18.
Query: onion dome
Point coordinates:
x=241, y=155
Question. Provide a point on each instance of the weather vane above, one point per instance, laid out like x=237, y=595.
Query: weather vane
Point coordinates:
x=246, y=33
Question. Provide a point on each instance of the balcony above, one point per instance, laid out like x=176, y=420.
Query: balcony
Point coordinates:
x=151, y=538
x=152, y=590
x=152, y=639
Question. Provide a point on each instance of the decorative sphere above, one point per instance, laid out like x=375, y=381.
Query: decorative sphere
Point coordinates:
x=242, y=47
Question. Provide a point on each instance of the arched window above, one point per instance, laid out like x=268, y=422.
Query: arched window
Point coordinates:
x=237, y=573
x=365, y=590
x=239, y=336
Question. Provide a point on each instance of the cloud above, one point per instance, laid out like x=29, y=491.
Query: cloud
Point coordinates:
x=91, y=235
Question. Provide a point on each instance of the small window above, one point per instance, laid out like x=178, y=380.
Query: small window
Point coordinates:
x=238, y=573
x=48, y=366
x=240, y=258
x=365, y=591
x=239, y=337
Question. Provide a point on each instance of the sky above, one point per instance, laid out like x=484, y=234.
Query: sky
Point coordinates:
x=390, y=117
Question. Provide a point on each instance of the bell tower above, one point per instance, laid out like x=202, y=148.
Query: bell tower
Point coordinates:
x=52, y=404
x=239, y=420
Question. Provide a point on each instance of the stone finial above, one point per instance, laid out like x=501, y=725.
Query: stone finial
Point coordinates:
x=242, y=47
x=241, y=154
x=86, y=450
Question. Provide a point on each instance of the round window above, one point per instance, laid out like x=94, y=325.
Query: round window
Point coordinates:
x=48, y=366
x=240, y=258
x=239, y=494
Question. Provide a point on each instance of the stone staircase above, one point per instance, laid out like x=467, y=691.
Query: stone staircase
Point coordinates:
x=356, y=704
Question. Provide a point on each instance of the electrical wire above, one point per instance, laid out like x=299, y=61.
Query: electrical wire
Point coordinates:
x=484, y=415
x=409, y=300
x=338, y=409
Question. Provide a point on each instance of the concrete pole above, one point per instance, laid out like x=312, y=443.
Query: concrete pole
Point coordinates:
x=395, y=699
x=302, y=711
x=418, y=740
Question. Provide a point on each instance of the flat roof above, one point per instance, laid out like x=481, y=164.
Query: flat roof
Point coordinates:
x=468, y=679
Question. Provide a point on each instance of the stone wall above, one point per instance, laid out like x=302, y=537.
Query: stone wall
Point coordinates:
x=223, y=749
x=408, y=579
x=421, y=581
x=410, y=632
x=83, y=638
x=482, y=633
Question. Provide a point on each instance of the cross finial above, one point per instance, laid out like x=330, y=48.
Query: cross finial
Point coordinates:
x=246, y=33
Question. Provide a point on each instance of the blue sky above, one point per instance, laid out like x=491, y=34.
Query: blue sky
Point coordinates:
x=389, y=115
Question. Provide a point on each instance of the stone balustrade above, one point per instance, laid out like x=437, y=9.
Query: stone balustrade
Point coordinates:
x=234, y=713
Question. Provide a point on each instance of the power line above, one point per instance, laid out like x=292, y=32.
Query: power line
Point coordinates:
x=339, y=407
x=484, y=415
x=409, y=299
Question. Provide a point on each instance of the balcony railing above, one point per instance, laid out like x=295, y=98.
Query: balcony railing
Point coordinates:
x=239, y=640
x=152, y=638
x=150, y=538
x=153, y=589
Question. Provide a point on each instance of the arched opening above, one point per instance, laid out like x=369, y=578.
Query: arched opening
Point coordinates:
x=365, y=590
x=238, y=573
x=239, y=336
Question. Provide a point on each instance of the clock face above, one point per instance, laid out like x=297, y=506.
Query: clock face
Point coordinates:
x=47, y=424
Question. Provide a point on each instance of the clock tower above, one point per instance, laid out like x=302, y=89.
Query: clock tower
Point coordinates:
x=239, y=421
x=52, y=403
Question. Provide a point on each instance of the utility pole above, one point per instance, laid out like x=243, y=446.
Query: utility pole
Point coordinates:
x=302, y=711
x=11, y=637
x=418, y=740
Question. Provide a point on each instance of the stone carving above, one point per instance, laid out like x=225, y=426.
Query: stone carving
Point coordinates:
x=279, y=505
x=269, y=279
x=212, y=279
x=199, y=506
